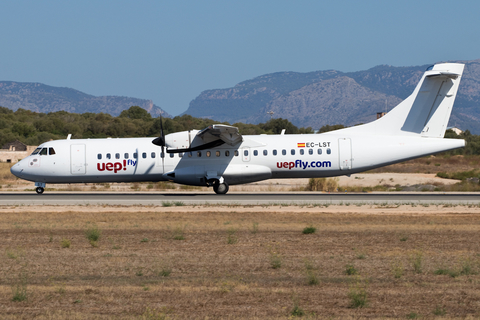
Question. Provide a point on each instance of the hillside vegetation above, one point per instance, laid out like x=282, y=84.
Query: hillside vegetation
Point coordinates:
x=34, y=128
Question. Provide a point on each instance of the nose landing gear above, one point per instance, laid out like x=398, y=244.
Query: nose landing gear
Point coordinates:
x=40, y=187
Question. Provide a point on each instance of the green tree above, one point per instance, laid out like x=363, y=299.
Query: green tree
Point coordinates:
x=135, y=112
x=277, y=125
x=327, y=128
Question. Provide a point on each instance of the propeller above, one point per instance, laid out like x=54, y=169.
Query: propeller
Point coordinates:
x=160, y=141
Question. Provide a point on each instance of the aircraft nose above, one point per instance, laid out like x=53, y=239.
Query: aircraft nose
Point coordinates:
x=17, y=170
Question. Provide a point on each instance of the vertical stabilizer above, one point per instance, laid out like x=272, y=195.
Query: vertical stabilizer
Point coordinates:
x=433, y=103
x=426, y=111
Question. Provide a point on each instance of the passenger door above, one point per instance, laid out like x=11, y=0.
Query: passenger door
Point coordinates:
x=77, y=159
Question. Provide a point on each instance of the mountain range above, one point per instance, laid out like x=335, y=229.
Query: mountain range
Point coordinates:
x=311, y=99
x=332, y=97
x=43, y=98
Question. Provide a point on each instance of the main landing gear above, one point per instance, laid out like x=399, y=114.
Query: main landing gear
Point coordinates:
x=220, y=188
x=40, y=187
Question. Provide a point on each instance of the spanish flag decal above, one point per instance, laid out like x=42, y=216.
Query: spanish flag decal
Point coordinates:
x=301, y=145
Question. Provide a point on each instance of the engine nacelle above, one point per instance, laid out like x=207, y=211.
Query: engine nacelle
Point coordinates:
x=180, y=140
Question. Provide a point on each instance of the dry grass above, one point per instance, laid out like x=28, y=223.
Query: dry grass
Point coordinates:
x=434, y=164
x=206, y=276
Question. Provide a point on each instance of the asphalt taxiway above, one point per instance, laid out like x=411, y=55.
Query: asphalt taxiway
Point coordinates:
x=190, y=198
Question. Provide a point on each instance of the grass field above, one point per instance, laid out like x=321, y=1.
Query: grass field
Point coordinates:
x=239, y=262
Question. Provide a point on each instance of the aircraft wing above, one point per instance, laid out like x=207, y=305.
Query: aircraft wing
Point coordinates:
x=227, y=134
x=210, y=137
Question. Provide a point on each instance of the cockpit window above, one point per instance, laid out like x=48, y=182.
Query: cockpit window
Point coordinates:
x=36, y=151
x=51, y=151
x=43, y=152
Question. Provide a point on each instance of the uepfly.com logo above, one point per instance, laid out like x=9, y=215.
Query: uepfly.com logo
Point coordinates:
x=304, y=164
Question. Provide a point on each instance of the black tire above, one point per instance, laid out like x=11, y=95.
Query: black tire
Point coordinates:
x=220, y=188
x=39, y=190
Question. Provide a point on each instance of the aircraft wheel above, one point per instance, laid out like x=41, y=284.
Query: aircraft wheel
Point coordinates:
x=40, y=190
x=220, y=188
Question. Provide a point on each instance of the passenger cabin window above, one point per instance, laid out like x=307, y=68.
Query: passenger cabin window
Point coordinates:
x=284, y=152
x=126, y=155
x=302, y=151
x=292, y=152
x=144, y=155
x=236, y=153
x=227, y=153
x=43, y=152
x=117, y=155
x=199, y=154
x=172, y=155
x=51, y=151
x=265, y=152
x=153, y=155
x=135, y=155
x=99, y=156
x=180, y=154
x=255, y=153
x=217, y=153
x=245, y=153
x=310, y=151
x=208, y=153
x=36, y=151
x=274, y=152
x=109, y=156
x=162, y=154
x=319, y=151
x=190, y=154
x=329, y=151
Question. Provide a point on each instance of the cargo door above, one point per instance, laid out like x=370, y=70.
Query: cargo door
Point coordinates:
x=345, y=153
x=77, y=159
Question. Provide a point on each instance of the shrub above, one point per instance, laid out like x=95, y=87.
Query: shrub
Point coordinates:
x=322, y=184
x=439, y=311
x=397, y=269
x=417, y=261
x=358, y=294
x=65, y=243
x=350, y=270
x=165, y=272
x=296, y=311
x=179, y=233
x=93, y=235
x=232, y=238
x=255, y=228
x=275, y=260
x=167, y=204
x=309, y=230
x=19, y=289
x=312, y=278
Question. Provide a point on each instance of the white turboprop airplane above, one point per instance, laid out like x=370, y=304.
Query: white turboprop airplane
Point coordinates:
x=220, y=156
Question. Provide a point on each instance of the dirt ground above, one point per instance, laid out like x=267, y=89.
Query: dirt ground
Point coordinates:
x=240, y=262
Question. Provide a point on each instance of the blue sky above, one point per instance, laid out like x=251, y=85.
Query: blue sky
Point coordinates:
x=170, y=51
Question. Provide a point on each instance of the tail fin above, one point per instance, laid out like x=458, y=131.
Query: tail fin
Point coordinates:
x=427, y=110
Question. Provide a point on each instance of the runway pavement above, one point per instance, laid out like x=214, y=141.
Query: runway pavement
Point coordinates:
x=190, y=198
